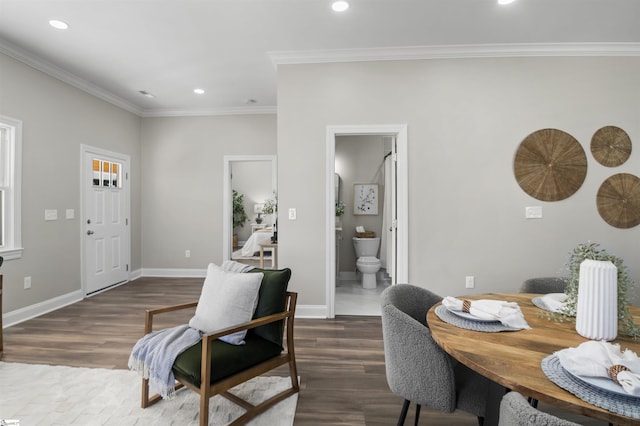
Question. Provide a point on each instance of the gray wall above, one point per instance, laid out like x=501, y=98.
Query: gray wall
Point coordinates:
x=57, y=118
x=182, y=163
x=465, y=118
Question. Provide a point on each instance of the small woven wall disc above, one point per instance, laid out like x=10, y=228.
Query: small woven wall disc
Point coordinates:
x=550, y=165
x=611, y=146
x=618, y=200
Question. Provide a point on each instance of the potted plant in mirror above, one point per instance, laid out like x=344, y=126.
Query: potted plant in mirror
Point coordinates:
x=271, y=207
x=340, y=206
x=239, y=215
x=592, y=251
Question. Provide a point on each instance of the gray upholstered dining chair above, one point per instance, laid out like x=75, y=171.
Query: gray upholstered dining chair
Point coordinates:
x=515, y=410
x=543, y=285
x=417, y=368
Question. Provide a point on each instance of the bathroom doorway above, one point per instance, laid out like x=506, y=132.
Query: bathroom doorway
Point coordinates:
x=371, y=157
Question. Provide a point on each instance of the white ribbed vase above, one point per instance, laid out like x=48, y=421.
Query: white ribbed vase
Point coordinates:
x=597, y=309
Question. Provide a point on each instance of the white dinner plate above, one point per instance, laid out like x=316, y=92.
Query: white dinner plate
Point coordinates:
x=467, y=315
x=602, y=383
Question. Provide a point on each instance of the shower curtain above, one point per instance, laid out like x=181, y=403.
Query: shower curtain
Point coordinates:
x=386, y=258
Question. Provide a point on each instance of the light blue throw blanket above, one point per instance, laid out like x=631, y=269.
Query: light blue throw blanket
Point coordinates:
x=154, y=354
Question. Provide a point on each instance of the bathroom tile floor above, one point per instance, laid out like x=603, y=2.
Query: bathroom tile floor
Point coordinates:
x=352, y=299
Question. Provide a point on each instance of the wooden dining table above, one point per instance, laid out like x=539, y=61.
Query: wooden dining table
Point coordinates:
x=512, y=359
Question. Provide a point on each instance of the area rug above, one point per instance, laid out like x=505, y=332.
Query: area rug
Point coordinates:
x=59, y=395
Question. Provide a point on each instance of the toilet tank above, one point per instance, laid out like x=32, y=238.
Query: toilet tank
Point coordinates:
x=366, y=246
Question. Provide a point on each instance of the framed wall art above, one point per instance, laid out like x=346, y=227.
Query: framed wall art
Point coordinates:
x=365, y=199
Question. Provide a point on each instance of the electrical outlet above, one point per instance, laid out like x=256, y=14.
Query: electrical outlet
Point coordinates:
x=470, y=282
x=27, y=283
x=292, y=214
x=187, y=253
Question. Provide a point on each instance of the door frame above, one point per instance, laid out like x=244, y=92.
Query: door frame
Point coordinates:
x=227, y=229
x=402, y=202
x=126, y=162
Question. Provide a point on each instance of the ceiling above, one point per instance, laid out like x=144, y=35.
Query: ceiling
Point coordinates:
x=230, y=48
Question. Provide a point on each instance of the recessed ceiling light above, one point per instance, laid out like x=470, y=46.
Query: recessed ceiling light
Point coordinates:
x=505, y=1
x=340, y=5
x=58, y=24
x=198, y=91
x=250, y=101
x=145, y=93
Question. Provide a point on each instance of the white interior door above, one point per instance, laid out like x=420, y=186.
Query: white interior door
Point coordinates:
x=393, y=223
x=105, y=219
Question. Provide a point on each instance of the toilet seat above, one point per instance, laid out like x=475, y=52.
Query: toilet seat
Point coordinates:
x=368, y=260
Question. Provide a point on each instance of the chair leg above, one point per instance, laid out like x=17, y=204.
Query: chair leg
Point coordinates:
x=204, y=407
x=403, y=413
x=480, y=421
x=415, y=423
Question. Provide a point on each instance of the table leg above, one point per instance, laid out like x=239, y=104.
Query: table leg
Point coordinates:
x=261, y=257
x=274, y=253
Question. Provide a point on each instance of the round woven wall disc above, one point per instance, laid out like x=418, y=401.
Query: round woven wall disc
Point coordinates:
x=618, y=200
x=611, y=146
x=550, y=165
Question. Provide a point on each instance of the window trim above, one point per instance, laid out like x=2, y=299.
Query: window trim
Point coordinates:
x=13, y=200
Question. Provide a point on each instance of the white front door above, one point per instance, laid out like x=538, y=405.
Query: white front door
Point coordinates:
x=105, y=221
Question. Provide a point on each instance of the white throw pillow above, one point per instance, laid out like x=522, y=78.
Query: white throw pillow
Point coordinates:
x=227, y=299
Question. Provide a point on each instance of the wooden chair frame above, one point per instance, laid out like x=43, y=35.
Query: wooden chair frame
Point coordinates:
x=207, y=390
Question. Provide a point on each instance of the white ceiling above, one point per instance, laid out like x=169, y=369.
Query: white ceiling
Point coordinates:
x=230, y=48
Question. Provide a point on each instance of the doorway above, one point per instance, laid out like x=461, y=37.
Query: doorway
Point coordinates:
x=105, y=203
x=259, y=168
x=399, y=223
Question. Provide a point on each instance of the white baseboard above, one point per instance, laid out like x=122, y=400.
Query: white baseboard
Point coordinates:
x=174, y=273
x=348, y=275
x=33, y=311
x=311, y=311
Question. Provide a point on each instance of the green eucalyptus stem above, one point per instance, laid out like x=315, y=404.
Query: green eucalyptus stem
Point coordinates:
x=592, y=251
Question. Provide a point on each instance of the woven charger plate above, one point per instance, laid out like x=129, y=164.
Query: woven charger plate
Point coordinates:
x=618, y=200
x=489, y=327
x=611, y=146
x=550, y=165
x=626, y=405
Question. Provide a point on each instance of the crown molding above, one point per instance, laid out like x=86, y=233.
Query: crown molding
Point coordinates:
x=336, y=55
x=454, y=52
x=58, y=73
x=65, y=76
x=254, y=110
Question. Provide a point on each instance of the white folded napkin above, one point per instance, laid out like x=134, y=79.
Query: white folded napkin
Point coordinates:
x=554, y=301
x=508, y=313
x=596, y=358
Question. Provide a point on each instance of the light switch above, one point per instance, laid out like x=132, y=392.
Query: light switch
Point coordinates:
x=534, y=212
x=51, y=214
x=71, y=214
x=292, y=214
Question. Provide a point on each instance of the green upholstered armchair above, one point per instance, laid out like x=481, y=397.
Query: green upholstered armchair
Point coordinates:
x=212, y=367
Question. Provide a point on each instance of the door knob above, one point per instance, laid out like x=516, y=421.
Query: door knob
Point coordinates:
x=89, y=232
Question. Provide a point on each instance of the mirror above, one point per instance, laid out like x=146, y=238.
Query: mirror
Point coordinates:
x=253, y=178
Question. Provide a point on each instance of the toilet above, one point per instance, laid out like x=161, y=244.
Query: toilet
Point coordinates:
x=368, y=264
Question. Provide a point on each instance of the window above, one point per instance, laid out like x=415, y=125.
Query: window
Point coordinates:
x=106, y=174
x=10, y=175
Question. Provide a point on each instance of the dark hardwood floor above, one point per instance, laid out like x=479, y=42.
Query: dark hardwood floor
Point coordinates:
x=340, y=361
